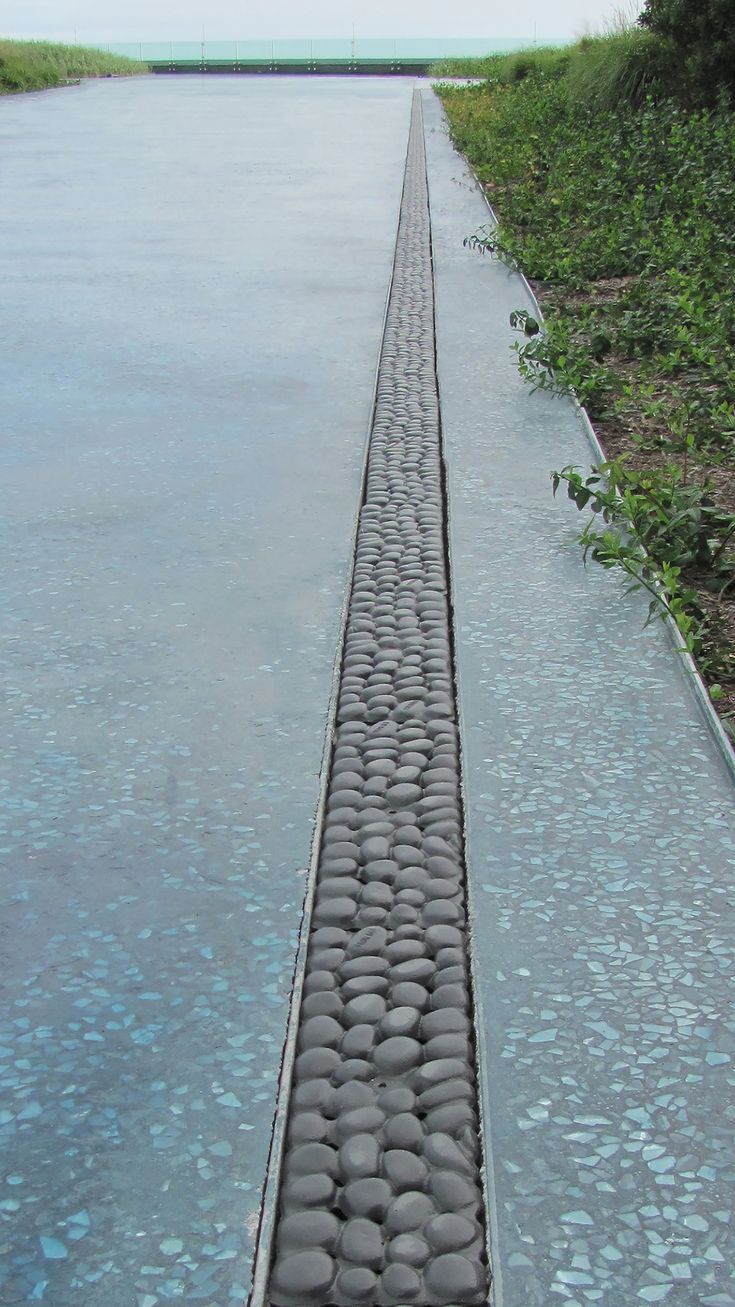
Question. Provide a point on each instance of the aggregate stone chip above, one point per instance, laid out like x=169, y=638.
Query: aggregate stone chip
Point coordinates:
x=381, y=1198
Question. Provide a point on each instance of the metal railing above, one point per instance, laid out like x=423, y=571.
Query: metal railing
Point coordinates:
x=304, y=52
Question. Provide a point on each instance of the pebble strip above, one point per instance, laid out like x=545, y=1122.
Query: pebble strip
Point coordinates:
x=381, y=1195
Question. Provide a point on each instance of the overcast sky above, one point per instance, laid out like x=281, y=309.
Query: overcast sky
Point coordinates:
x=141, y=20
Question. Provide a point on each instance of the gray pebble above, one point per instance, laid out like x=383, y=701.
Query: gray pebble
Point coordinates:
x=409, y=1211
x=439, y=1071
x=325, y=959
x=459, y=1089
x=318, y=981
x=316, y=1093
x=404, y=1170
x=382, y=869
x=404, y=1132
x=412, y=877
x=329, y=937
x=351, y=1096
x=441, y=1151
x=345, y=780
x=452, y=1119
x=371, y=916
x=441, y=912
x=358, y=1042
x=368, y=965
x=402, y=915
x=366, y=1008
x=400, y=1283
x=364, y=985
x=403, y=796
x=383, y=829
x=457, y=1279
x=405, y=949
x=313, y=1062
x=358, y=1121
x=449, y=1046
x=456, y=975
x=451, y=996
x=445, y=1022
x=312, y=1159
x=359, y=1156
x=308, y=1230
x=435, y=846
x=334, y=887
x=356, y=1284
x=339, y=909
x=416, y=970
x=320, y=1032
x=353, y=1068
x=325, y=1004
x=305, y=1274
x=307, y=1128
x=400, y=1021
x=375, y=848
x=397, y=1055
x=414, y=898
x=450, y=957
x=409, y=994
x=377, y=895
x=397, y=1099
x=410, y=1249
x=453, y=1191
x=443, y=868
x=362, y=1242
x=308, y=1191
x=406, y=855
x=367, y=1197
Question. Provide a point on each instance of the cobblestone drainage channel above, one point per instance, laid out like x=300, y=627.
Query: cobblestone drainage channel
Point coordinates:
x=380, y=1199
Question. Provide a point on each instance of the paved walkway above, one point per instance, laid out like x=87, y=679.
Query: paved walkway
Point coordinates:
x=195, y=334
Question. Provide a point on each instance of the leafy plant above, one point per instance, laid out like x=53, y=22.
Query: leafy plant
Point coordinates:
x=656, y=527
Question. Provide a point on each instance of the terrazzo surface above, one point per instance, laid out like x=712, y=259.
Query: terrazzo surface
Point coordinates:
x=195, y=275
x=600, y=848
x=198, y=271
x=381, y=1185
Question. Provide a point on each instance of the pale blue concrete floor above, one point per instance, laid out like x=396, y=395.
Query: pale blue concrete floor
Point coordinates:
x=601, y=853
x=194, y=275
x=197, y=272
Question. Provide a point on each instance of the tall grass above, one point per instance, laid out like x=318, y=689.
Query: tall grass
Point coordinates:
x=506, y=68
x=36, y=65
x=623, y=67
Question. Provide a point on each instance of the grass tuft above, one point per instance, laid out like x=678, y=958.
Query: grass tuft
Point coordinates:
x=38, y=65
x=623, y=68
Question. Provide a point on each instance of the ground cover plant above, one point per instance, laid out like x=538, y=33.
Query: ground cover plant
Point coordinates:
x=613, y=179
x=37, y=65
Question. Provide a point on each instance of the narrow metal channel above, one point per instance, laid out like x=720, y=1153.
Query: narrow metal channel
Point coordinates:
x=379, y=1173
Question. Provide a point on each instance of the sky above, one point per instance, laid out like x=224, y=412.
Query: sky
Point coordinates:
x=90, y=21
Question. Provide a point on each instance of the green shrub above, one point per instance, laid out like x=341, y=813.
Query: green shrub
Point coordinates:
x=703, y=33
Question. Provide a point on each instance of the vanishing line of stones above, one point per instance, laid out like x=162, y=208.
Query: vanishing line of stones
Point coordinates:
x=380, y=1197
